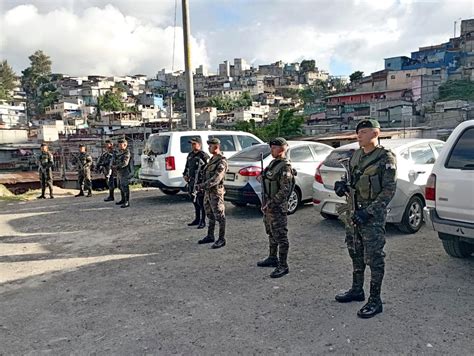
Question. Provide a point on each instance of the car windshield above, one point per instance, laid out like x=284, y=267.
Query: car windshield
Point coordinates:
x=157, y=145
x=333, y=159
x=252, y=154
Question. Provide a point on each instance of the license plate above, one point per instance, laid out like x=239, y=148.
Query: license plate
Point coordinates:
x=230, y=176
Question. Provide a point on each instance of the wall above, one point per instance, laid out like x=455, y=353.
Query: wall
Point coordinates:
x=13, y=136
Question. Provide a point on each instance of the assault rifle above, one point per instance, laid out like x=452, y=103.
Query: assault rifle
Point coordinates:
x=201, y=163
x=350, y=196
x=262, y=183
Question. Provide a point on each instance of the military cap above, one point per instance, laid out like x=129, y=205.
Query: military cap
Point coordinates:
x=214, y=141
x=279, y=141
x=44, y=145
x=196, y=139
x=82, y=145
x=368, y=124
x=107, y=141
x=122, y=140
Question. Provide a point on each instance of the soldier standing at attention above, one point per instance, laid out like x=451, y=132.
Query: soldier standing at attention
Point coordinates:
x=45, y=170
x=122, y=164
x=213, y=186
x=84, y=163
x=278, y=182
x=195, y=162
x=104, y=165
x=373, y=179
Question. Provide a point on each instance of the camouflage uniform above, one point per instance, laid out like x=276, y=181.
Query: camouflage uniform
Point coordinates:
x=213, y=186
x=84, y=162
x=45, y=170
x=277, y=179
x=104, y=165
x=193, y=162
x=122, y=164
x=374, y=180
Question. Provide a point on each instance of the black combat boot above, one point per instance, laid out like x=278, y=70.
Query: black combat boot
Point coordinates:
x=126, y=203
x=111, y=196
x=271, y=260
x=221, y=240
x=89, y=193
x=356, y=293
x=202, y=223
x=51, y=196
x=219, y=243
x=196, y=220
x=122, y=200
x=282, y=267
x=81, y=194
x=374, y=304
x=41, y=197
x=206, y=240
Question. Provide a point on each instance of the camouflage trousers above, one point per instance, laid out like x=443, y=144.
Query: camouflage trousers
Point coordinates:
x=276, y=227
x=46, y=180
x=123, y=182
x=84, y=179
x=215, y=211
x=366, y=249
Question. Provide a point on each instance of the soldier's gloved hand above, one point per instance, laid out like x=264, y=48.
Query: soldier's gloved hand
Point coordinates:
x=341, y=188
x=360, y=217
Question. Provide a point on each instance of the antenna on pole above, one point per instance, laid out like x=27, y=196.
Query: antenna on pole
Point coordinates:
x=191, y=119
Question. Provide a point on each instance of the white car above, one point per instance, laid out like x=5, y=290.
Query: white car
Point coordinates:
x=241, y=183
x=450, y=193
x=164, y=157
x=415, y=159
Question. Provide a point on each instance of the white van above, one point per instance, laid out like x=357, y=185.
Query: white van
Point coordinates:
x=164, y=157
x=450, y=193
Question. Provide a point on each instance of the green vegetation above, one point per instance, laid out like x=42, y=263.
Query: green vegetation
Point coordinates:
x=7, y=80
x=357, y=75
x=111, y=102
x=287, y=125
x=456, y=90
x=226, y=103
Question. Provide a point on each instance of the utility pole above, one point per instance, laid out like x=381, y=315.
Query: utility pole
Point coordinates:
x=188, y=68
x=170, y=111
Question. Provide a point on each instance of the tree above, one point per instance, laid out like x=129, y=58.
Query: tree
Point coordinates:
x=110, y=102
x=226, y=103
x=307, y=65
x=7, y=80
x=318, y=90
x=357, y=75
x=33, y=77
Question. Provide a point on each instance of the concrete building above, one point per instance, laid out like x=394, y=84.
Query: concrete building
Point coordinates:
x=12, y=114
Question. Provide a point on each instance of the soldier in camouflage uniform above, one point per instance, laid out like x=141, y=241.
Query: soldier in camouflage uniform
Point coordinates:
x=373, y=178
x=195, y=162
x=278, y=182
x=122, y=164
x=104, y=165
x=213, y=186
x=84, y=165
x=45, y=170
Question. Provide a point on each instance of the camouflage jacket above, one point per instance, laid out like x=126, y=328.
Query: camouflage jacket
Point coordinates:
x=282, y=181
x=374, y=179
x=45, y=162
x=84, y=161
x=122, y=162
x=214, y=172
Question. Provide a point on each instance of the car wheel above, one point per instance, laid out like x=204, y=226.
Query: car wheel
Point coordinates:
x=238, y=204
x=458, y=249
x=329, y=216
x=294, y=201
x=170, y=191
x=413, y=216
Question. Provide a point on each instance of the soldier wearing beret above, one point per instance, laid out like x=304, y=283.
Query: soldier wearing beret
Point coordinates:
x=278, y=182
x=213, y=186
x=84, y=165
x=192, y=174
x=372, y=170
x=122, y=164
x=45, y=170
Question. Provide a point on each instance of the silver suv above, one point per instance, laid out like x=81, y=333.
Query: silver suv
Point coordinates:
x=415, y=159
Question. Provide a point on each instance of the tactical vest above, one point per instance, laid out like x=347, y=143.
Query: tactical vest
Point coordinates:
x=367, y=175
x=271, y=177
x=45, y=159
x=211, y=168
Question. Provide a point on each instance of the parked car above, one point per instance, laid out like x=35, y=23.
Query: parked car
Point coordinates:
x=450, y=193
x=415, y=159
x=241, y=183
x=164, y=157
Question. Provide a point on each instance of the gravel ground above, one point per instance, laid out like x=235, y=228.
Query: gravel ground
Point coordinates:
x=80, y=276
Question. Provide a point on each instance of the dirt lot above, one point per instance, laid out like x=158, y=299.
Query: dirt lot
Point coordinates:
x=80, y=276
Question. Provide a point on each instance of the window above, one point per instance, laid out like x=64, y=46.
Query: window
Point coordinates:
x=437, y=146
x=333, y=159
x=157, y=145
x=252, y=153
x=422, y=154
x=462, y=154
x=392, y=76
x=185, y=145
x=301, y=154
x=320, y=151
x=246, y=141
x=408, y=75
x=227, y=142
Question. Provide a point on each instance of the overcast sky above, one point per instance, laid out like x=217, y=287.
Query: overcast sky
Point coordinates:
x=119, y=37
